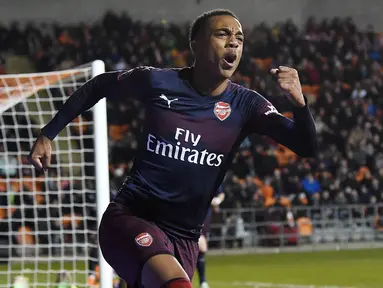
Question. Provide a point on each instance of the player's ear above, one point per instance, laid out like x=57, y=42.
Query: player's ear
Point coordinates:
x=193, y=46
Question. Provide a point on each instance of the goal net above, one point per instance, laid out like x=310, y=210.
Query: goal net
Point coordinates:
x=48, y=222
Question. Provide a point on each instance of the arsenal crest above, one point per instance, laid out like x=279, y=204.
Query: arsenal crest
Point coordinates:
x=144, y=239
x=222, y=110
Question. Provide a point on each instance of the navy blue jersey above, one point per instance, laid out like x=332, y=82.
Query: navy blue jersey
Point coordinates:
x=188, y=140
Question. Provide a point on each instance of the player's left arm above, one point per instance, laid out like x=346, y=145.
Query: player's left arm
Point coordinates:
x=299, y=134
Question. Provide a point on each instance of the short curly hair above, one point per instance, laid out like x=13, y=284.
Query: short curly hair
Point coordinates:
x=201, y=20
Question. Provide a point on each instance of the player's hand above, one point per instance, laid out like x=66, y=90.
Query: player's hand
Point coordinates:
x=289, y=82
x=40, y=155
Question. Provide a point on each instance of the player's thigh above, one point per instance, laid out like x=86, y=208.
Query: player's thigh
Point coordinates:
x=160, y=269
x=127, y=242
x=202, y=244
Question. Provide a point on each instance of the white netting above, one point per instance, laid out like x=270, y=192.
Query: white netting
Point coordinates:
x=48, y=224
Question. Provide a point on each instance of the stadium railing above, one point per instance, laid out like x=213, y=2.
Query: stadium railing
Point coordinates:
x=297, y=228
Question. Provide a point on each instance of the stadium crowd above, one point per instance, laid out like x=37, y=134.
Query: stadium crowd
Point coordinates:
x=340, y=67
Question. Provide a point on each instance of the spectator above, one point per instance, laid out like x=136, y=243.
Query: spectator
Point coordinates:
x=311, y=185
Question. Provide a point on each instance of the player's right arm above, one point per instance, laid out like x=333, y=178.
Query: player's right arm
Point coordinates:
x=112, y=85
x=299, y=135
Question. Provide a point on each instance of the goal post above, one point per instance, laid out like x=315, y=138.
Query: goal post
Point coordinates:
x=102, y=169
x=48, y=223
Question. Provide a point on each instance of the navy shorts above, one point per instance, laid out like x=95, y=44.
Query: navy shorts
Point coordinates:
x=127, y=242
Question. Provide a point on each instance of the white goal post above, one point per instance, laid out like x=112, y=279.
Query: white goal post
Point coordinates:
x=48, y=223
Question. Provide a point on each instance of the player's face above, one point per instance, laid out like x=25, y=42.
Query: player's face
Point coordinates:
x=221, y=46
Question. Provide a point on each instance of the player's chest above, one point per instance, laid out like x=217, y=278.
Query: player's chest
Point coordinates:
x=219, y=110
x=213, y=123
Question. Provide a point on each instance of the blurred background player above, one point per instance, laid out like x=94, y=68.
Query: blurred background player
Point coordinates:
x=204, y=238
x=196, y=118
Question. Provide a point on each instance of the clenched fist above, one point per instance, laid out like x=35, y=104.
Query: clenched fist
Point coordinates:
x=288, y=80
x=40, y=155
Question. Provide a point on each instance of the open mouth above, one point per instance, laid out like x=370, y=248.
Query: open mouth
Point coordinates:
x=229, y=59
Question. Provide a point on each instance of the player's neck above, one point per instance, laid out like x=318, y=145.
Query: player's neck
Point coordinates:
x=207, y=85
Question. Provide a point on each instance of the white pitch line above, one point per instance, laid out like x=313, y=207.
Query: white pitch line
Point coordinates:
x=274, y=285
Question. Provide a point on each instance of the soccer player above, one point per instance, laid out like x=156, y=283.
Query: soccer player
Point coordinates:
x=196, y=118
x=203, y=239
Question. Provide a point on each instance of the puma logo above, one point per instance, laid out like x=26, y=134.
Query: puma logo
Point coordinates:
x=167, y=100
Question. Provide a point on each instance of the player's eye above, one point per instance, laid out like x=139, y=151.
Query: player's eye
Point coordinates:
x=221, y=34
x=240, y=38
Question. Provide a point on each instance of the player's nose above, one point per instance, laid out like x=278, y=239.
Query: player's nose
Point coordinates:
x=233, y=43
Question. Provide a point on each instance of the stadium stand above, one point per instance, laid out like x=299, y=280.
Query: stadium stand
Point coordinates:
x=341, y=72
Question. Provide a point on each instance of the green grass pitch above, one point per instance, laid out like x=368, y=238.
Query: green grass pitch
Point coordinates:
x=335, y=269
